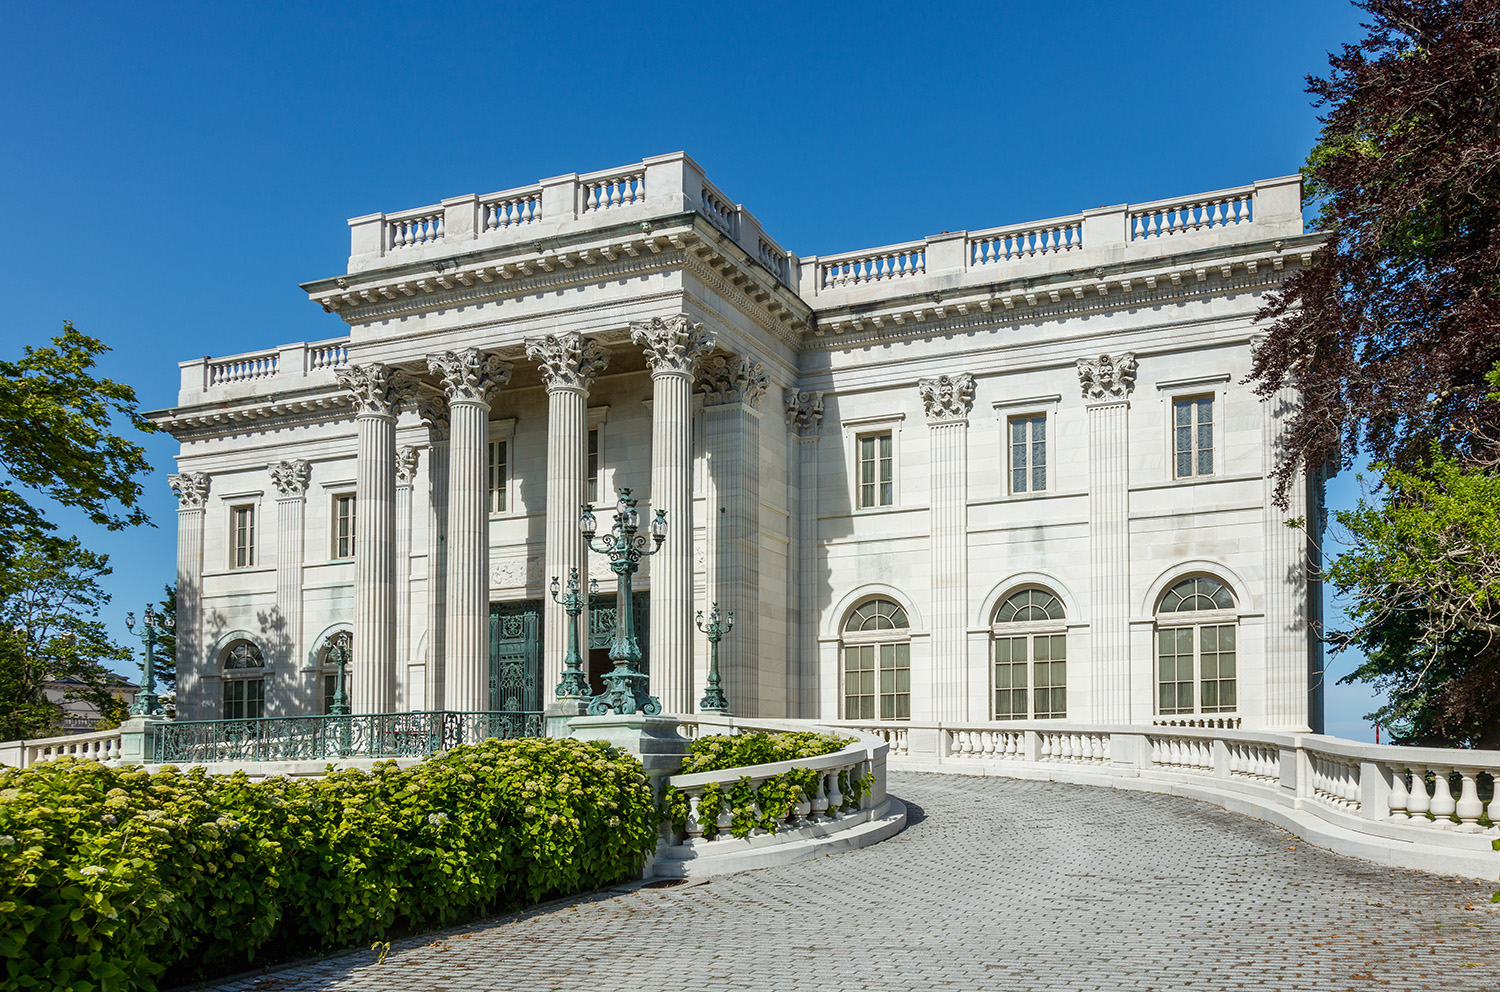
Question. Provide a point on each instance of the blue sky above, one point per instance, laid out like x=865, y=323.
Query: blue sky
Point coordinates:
x=170, y=172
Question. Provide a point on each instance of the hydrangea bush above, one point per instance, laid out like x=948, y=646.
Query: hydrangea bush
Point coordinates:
x=115, y=878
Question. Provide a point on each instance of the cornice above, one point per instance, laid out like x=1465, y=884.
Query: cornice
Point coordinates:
x=218, y=419
x=711, y=268
x=962, y=310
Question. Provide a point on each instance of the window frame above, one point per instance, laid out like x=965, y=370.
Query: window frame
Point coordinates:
x=501, y=432
x=235, y=510
x=241, y=680
x=858, y=429
x=336, y=538
x=1028, y=407
x=898, y=639
x=1196, y=622
x=1213, y=386
x=595, y=429
x=1030, y=445
x=1029, y=631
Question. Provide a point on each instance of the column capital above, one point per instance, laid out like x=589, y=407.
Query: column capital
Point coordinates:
x=377, y=389
x=406, y=465
x=434, y=413
x=1107, y=377
x=732, y=380
x=191, y=489
x=947, y=397
x=567, y=360
x=804, y=412
x=468, y=375
x=672, y=344
x=290, y=477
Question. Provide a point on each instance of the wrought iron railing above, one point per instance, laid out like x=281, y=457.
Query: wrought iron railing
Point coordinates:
x=364, y=735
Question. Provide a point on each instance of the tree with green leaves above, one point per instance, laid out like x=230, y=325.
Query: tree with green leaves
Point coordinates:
x=166, y=642
x=1390, y=337
x=50, y=632
x=58, y=442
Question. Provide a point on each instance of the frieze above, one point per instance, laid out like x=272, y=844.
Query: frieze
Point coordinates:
x=1107, y=377
x=947, y=397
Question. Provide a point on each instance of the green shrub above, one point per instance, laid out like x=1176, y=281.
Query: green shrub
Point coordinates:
x=113, y=878
x=767, y=805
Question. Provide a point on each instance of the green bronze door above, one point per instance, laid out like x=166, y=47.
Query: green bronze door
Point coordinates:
x=516, y=668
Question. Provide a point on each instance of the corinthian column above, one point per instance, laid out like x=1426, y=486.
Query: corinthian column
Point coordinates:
x=378, y=391
x=434, y=412
x=192, y=494
x=732, y=388
x=469, y=378
x=290, y=479
x=1107, y=382
x=948, y=399
x=569, y=363
x=673, y=346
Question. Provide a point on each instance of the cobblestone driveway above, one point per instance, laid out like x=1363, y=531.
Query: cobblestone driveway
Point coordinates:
x=994, y=885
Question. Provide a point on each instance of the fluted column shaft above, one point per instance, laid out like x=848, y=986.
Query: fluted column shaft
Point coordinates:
x=435, y=695
x=467, y=638
x=411, y=695
x=192, y=492
x=568, y=364
x=1289, y=659
x=374, y=665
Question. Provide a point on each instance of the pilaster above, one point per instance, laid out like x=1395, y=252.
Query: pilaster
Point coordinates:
x=1288, y=659
x=569, y=362
x=290, y=480
x=468, y=378
x=732, y=389
x=192, y=495
x=804, y=421
x=406, y=471
x=434, y=413
x=378, y=391
x=1107, y=382
x=948, y=400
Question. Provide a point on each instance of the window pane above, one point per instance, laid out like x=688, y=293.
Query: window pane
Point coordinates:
x=1184, y=413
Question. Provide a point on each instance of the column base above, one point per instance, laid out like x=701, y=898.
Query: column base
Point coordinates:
x=560, y=711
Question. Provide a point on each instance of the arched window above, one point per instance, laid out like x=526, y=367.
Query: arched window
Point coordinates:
x=1196, y=649
x=1031, y=653
x=244, y=671
x=877, y=662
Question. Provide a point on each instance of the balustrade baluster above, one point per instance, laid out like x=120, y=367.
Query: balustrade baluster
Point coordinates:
x=694, y=828
x=1469, y=807
x=1417, y=801
x=1442, y=796
x=835, y=796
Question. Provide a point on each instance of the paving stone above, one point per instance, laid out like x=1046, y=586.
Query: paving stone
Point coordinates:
x=994, y=885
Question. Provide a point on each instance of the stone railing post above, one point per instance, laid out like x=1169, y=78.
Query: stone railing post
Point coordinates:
x=1031, y=745
x=560, y=198
x=673, y=346
x=461, y=218
x=1374, y=790
x=1221, y=759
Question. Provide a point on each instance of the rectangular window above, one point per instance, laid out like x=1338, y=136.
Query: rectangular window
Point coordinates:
x=244, y=699
x=242, y=537
x=592, y=472
x=895, y=681
x=1010, y=678
x=859, y=682
x=343, y=526
x=1028, y=454
x=1193, y=436
x=499, y=469
x=876, y=477
x=1174, y=654
x=1051, y=665
x=1217, y=649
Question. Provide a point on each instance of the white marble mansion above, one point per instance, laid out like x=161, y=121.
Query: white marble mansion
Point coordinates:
x=1004, y=474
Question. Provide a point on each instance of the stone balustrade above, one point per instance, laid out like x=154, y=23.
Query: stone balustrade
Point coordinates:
x=1430, y=808
x=104, y=745
x=255, y=373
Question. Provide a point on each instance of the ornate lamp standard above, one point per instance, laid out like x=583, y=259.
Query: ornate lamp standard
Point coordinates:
x=625, y=691
x=338, y=653
x=713, y=700
x=573, y=681
x=146, y=701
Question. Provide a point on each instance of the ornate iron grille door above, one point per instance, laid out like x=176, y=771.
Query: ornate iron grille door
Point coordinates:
x=516, y=668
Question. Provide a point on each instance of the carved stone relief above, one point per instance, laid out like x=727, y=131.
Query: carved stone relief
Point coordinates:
x=1107, y=377
x=947, y=397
